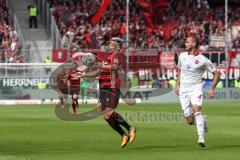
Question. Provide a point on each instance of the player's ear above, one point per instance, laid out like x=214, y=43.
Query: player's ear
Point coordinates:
x=117, y=47
x=194, y=44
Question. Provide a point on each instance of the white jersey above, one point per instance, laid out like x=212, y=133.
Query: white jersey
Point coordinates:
x=192, y=70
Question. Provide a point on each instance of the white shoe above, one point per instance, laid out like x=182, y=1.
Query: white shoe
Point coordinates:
x=205, y=123
x=201, y=141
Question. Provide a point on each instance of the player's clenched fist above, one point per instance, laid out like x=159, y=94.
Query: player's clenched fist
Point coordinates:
x=211, y=93
x=177, y=89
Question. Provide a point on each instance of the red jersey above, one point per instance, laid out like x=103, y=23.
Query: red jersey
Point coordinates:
x=63, y=86
x=110, y=78
x=74, y=82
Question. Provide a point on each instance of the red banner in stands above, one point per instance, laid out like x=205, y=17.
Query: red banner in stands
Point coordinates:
x=152, y=58
x=149, y=20
x=162, y=3
x=167, y=74
x=234, y=58
x=96, y=18
x=144, y=3
x=59, y=55
x=147, y=14
x=144, y=52
x=167, y=59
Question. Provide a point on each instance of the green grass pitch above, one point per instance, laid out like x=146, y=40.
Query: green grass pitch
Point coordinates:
x=34, y=132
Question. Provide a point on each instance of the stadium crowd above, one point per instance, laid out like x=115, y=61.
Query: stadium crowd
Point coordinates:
x=170, y=24
x=236, y=42
x=9, y=41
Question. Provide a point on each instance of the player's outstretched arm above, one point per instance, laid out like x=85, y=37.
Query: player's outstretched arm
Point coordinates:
x=108, y=66
x=114, y=65
x=216, y=78
x=178, y=83
x=90, y=74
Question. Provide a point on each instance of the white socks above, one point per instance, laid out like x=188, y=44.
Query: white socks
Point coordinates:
x=199, y=119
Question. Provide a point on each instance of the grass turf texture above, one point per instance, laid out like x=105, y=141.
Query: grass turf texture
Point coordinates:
x=34, y=132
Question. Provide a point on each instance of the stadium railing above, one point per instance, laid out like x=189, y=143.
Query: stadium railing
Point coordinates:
x=19, y=83
x=17, y=27
x=49, y=22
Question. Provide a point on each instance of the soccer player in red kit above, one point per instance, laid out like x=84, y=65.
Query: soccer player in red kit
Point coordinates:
x=73, y=89
x=69, y=84
x=109, y=82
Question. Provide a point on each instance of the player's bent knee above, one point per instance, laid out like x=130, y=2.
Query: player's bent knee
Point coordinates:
x=187, y=112
x=196, y=108
x=106, y=117
x=107, y=113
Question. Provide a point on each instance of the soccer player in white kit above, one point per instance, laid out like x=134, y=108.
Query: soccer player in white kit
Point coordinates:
x=189, y=85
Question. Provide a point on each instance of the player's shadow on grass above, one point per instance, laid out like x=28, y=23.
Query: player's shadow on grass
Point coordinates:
x=149, y=147
x=63, y=113
x=24, y=147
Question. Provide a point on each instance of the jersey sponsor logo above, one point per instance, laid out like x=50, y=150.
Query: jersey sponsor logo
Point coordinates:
x=196, y=61
x=22, y=82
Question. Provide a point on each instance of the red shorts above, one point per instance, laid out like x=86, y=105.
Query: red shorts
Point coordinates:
x=64, y=89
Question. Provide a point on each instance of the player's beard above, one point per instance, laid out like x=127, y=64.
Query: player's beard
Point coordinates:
x=110, y=50
x=189, y=49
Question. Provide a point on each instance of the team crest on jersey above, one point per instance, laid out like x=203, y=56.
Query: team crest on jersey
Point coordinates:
x=196, y=61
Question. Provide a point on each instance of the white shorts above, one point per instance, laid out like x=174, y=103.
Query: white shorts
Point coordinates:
x=187, y=99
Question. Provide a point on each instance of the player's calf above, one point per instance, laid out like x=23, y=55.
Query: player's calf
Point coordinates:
x=109, y=116
x=205, y=123
x=61, y=99
x=112, y=118
x=131, y=130
x=74, y=103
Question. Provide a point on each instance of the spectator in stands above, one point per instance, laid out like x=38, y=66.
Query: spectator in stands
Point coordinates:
x=33, y=16
x=237, y=83
x=172, y=83
x=156, y=82
x=47, y=60
x=236, y=42
x=9, y=41
x=179, y=19
x=1, y=36
x=14, y=44
x=134, y=81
